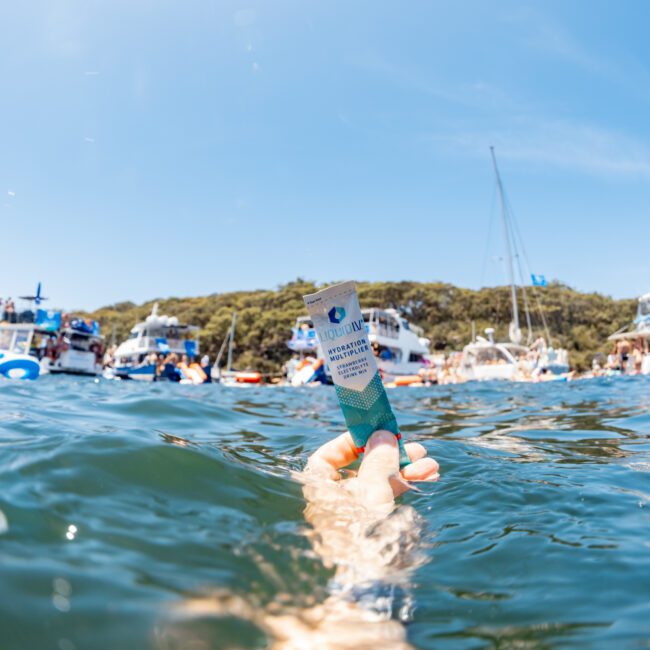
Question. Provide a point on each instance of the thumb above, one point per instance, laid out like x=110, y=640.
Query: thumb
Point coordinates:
x=381, y=457
x=380, y=462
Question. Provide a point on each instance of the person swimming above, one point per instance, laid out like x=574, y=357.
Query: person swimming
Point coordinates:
x=356, y=529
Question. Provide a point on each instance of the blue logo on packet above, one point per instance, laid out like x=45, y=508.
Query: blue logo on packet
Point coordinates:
x=336, y=315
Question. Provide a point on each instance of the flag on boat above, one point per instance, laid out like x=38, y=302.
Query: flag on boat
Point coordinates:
x=190, y=348
x=48, y=320
x=162, y=345
x=538, y=280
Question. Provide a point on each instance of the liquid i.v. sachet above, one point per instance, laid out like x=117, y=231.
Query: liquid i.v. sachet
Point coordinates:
x=342, y=334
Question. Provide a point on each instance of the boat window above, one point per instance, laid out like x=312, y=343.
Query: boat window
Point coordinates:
x=490, y=356
x=390, y=354
x=644, y=308
x=5, y=339
x=134, y=335
x=405, y=324
x=301, y=322
x=416, y=357
x=387, y=326
x=79, y=342
x=22, y=341
x=367, y=315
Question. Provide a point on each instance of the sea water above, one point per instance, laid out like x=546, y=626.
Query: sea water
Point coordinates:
x=167, y=516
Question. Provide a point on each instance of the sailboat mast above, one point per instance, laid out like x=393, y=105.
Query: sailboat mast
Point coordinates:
x=508, y=244
x=231, y=341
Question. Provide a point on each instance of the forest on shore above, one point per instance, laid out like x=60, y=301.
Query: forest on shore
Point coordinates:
x=580, y=322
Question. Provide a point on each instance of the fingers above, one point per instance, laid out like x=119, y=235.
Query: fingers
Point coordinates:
x=381, y=458
x=415, y=451
x=423, y=469
x=332, y=456
x=341, y=452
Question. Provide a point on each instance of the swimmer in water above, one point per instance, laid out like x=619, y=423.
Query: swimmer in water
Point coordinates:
x=357, y=530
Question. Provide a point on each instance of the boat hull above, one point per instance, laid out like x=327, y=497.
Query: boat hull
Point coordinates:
x=141, y=373
x=72, y=362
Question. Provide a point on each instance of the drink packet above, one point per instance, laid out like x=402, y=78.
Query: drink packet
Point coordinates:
x=342, y=334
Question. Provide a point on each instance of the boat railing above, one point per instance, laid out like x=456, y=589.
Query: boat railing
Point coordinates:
x=154, y=342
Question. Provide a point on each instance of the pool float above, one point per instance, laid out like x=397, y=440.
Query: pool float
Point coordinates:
x=18, y=366
x=248, y=377
x=308, y=370
x=407, y=380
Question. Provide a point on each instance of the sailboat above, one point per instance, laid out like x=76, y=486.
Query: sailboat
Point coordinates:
x=486, y=359
x=228, y=376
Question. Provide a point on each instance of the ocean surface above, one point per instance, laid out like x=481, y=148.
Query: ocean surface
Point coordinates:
x=169, y=517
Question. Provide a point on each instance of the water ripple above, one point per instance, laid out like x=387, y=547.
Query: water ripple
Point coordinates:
x=119, y=501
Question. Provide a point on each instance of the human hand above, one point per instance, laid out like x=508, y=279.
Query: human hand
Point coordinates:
x=381, y=461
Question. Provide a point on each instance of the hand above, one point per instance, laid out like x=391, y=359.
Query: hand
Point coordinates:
x=381, y=459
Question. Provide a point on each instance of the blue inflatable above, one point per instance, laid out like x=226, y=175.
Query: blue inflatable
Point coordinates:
x=18, y=366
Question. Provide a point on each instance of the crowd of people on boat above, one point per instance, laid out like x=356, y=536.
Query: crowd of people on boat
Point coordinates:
x=626, y=357
x=169, y=366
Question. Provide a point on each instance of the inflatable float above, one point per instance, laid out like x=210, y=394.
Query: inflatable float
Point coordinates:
x=18, y=366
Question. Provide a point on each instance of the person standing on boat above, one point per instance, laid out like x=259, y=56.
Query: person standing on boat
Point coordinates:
x=10, y=311
x=623, y=349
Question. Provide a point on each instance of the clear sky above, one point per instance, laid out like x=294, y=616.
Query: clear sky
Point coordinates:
x=152, y=148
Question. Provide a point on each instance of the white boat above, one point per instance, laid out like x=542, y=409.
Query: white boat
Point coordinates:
x=138, y=357
x=638, y=331
x=485, y=359
x=74, y=347
x=400, y=346
x=77, y=350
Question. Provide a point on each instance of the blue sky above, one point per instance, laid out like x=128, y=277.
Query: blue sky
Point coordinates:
x=155, y=148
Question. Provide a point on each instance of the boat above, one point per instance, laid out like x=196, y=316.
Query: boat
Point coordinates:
x=76, y=350
x=157, y=337
x=484, y=358
x=228, y=376
x=639, y=331
x=57, y=343
x=400, y=347
x=307, y=366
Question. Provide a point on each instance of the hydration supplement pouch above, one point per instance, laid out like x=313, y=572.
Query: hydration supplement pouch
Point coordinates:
x=342, y=334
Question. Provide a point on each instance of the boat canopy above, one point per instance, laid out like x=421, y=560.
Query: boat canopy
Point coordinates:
x=487, y=352
x=630, y=335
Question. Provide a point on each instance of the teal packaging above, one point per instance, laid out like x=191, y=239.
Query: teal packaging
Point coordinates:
x=342, y=334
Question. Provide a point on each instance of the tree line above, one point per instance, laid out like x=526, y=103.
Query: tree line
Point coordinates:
x=579, y=322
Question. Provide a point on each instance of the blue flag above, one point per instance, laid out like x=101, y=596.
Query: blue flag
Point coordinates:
x=538, y=280
x=190, y=348
x=48, y=320
x=162, y=345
